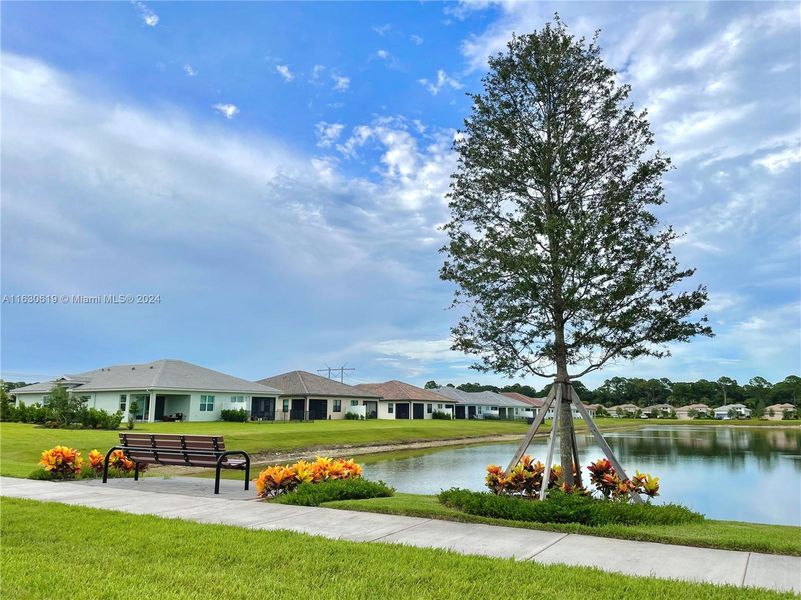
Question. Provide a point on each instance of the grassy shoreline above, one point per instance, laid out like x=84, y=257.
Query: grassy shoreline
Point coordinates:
x=81, y=558
x=727, y=535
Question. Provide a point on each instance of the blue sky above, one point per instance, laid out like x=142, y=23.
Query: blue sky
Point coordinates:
x=275, y=173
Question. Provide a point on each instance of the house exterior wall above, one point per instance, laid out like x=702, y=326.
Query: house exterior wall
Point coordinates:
x=184, y=401
x=345, y=402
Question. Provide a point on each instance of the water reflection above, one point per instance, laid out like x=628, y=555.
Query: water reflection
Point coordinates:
x=724, y=472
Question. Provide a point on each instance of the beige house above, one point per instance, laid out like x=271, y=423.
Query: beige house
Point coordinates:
x=775, y=412
x=683, y=412
x=624, y=410
x=401, y=400
x=306, y=396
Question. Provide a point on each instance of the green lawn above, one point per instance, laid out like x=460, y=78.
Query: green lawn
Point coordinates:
x=730, y=535
x=57, y=551
x=21, y=444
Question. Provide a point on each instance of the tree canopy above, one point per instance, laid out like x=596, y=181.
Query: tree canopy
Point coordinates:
x=557, y=257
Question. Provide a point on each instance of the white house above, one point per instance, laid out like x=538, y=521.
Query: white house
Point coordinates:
x=158, y=389
x=306, y=396
x=485, y=405
x=741, y=411
x=401, y=400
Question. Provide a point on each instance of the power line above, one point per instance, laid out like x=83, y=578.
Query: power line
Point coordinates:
x=341, y=370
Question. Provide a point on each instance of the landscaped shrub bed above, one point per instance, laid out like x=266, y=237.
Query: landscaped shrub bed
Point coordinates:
x=314, y=494
x=527, y=477
x=64, y=463
x=561, y=507
x=81, y=418
x=280, y=479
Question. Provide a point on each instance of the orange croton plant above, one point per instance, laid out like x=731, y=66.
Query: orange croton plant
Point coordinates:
x=280, y=479
x=62, y=461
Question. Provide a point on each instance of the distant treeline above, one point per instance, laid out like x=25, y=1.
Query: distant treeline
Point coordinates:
x=756, y=394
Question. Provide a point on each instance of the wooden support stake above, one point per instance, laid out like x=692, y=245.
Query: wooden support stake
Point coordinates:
x=599, y=439
x=576, y=459
x=538, y=420
x=546, y=475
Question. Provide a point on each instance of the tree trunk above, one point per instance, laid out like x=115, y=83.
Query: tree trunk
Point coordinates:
x=566, y=417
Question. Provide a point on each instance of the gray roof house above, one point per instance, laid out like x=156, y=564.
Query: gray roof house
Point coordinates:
x=485, y=405
x=158, y=388
x=306, y=396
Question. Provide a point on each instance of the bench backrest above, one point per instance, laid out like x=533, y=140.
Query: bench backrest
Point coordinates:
x=196, y=450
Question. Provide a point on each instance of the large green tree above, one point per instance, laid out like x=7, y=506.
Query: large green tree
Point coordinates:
x=559, y=262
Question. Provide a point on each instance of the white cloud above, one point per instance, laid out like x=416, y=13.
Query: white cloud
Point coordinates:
x=443, y=80
x=317, y=72
x=341, y=83
x=229, y=111
x=779, y=161
x=181, y=188
x=382, y=30
x=190, y=70
x=415, y=39
x=328, y=133
x=283, y=71
x=420, y=350
x=150, y=18
x=382, y=54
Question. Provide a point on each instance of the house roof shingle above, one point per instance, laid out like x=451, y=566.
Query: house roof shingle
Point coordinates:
x=164, y=374
x=536, y=402
x=399, y=391
x=482, y=398
x=303, y=383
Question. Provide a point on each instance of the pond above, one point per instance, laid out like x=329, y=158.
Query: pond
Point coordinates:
x=731, y=473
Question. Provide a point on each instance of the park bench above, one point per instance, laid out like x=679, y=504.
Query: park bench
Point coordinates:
x=205, y=451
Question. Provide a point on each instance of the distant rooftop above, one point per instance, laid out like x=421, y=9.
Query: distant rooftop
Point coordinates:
x=164, y=374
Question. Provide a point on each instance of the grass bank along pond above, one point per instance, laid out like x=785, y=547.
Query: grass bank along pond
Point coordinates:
x=741, y=474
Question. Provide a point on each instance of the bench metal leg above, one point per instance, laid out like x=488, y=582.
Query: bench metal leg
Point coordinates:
x=247, y=472
x=217, y=479
x=105, y=463
x=136, y=471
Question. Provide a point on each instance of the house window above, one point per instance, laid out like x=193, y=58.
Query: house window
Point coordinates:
x=237, y=399
x=390, y=408
x=337, y=406
x=286, y=404
x=480, y=409
x=439, y=405
x=430, y=408
x=123, y=402
x=354, y=403
x=206, y=403
x=45, y=400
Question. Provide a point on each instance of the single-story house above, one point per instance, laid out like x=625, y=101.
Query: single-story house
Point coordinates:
x=159, y=388
x=485, y=405
x=729, y=411
x=535, y=403
x=401, y=400
x=657, y=410
x=306, y=396
x=593, y=409
x=624, y=410
x=683, y=412
x=775, y=412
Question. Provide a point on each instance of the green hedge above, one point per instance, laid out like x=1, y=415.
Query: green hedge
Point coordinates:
x=567, y=508
x=314, y=494
x=231, y=414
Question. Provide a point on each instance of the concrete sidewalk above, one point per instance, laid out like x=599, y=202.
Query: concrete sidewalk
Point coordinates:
x=192, y=499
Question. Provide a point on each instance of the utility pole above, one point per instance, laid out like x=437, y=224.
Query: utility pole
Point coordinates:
x=341, y=370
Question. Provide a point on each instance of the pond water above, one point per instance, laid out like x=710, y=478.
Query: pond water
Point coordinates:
x=732, y=473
